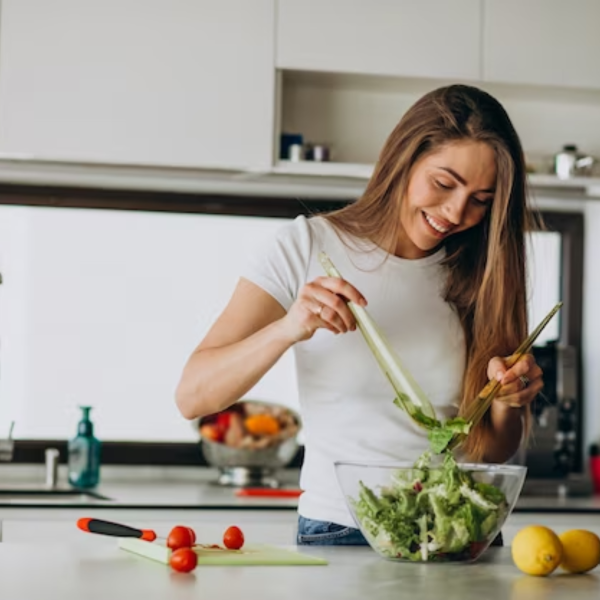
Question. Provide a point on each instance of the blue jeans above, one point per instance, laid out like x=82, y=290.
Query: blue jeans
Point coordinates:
x=324, y=533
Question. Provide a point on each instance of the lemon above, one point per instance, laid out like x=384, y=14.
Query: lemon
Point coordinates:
x=537, y=550
x=581, y=550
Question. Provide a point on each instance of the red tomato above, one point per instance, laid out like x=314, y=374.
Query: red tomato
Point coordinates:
x=193, y=534
x=181, y=537
x=183, y=560
x=233, y=538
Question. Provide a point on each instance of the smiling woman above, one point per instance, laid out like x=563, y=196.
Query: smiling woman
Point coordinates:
x=451, y=175
x=436, y=246
x=450, y=190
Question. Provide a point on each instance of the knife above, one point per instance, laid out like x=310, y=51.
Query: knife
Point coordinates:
x=268, y=493
x=101, y=527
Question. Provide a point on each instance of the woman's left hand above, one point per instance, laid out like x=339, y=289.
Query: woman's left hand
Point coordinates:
x=520, y=384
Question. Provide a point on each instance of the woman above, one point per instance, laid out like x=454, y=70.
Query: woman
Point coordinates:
x=435, y=246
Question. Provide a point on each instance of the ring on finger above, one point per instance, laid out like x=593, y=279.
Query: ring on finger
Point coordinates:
x=524, y=381
x=319, y=310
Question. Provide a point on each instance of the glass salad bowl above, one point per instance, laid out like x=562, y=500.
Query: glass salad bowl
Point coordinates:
x=431, y=510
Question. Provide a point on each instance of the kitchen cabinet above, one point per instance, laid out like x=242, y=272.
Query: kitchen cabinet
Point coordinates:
x=429, y=38
x=145, y=82
x=545, y=42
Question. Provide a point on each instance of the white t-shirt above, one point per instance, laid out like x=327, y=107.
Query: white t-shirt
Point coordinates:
x=346, y=402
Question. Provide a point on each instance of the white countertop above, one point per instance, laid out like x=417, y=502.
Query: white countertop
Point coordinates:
x=102, y=571
x=34, y=565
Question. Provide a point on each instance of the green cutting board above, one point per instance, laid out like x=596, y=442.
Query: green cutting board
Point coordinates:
x=249, y=555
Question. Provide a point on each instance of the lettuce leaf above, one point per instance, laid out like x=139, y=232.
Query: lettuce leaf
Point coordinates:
x=439, y=433
x=440, y=436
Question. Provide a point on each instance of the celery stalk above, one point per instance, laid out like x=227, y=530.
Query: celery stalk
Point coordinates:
x=409, y=395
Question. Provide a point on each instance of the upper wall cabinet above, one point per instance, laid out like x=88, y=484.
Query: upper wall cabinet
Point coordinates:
x=425, y=38
x=544, y=42
x=150, y=82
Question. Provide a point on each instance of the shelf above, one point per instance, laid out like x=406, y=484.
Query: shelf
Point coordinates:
x=323, y=169
x=588, y=186
x=25, y=171
x=306, y=179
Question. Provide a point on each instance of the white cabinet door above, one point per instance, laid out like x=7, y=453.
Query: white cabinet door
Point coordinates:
x=428, y=38
x=152, y=82
x=545, y=42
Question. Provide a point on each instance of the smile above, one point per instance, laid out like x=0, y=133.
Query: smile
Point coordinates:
x=437, y=226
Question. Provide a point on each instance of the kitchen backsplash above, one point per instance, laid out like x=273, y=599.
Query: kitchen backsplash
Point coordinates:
x=102, y=308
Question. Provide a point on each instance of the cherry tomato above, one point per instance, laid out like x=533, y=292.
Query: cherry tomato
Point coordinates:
x=181, y=537
x=183, y=560
x=193, y=534
x=233, y=538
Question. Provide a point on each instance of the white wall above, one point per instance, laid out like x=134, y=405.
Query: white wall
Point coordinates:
x=103, y=308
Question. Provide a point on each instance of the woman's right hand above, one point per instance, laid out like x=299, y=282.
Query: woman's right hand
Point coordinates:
x=322, y=304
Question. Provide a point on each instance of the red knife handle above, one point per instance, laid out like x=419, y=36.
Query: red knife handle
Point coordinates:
x=115, y=529
x=269, y=492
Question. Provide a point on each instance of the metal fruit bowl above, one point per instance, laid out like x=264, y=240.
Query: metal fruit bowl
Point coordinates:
x=252, y=466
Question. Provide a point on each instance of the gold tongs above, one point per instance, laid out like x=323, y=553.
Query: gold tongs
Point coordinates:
x=481, y=404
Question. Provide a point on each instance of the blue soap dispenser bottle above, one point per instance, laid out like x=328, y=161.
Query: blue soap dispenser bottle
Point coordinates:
x=84, y=454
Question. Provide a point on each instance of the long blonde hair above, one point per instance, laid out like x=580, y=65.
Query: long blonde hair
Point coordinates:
x=486, y=264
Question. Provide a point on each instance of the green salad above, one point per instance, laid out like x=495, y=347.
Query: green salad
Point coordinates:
x=431, y=513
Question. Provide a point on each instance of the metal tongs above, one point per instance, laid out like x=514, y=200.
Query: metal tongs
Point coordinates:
x=481, y=404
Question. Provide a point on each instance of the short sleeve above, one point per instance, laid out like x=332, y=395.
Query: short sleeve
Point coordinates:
x=281, y=264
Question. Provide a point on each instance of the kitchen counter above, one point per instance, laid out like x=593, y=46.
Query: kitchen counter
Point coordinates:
x=558, y=504
x=98, y=571
x=194, y=488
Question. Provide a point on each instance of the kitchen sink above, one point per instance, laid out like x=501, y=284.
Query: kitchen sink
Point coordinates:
x=42, y=495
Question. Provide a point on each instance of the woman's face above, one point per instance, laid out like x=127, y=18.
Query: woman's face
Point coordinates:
x=449, y=190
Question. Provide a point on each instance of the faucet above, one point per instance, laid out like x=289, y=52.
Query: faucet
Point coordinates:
x=52, y=459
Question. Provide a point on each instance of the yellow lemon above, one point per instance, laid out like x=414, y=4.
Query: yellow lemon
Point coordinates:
x=536, y=550
x=581, y=550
